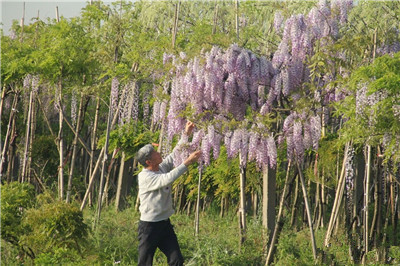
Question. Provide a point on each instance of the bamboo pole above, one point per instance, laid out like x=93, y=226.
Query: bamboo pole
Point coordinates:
x=96, y=167
x=175, y=27
x=294, y=209
x=103, y=166
x=31, y=136
x=120, y=181
x=93, y=143
x=242, y=208
x=114, y=120
x=279, y=223
x=26, y=147
x=85, y=146
x=22, y=23
x=366, y=203
x=197, y=222
x=61, y=146
x=11, y=150
x=303, y=186
x=338, y=198
x=3, y=95
x=9, y=131
x=214, y=30
x=237, y=19
x=74, y=150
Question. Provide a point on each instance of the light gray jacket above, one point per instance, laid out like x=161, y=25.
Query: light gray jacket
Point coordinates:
x=155, y=190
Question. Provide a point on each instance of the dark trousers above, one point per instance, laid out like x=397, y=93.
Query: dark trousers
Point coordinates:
x=153, y=235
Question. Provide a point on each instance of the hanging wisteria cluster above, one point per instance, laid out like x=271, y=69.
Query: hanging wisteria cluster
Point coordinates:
x=301, y=133
x=223, y=84
x=127, y=98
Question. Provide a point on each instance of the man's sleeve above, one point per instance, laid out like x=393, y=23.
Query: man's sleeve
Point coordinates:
x=157, y=181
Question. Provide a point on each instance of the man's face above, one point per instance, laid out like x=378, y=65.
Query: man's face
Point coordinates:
x=155, y=159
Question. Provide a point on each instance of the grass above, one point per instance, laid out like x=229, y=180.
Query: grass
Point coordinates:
x=114, y=242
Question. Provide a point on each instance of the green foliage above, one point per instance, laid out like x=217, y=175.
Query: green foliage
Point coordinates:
x=16, y=198
x=54, y=225
x=376, y=120
x=129, y=138
x=115, y=237
x=44, y=157
x=59, y=256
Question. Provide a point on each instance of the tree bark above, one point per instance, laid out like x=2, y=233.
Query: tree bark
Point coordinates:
x=269, y=198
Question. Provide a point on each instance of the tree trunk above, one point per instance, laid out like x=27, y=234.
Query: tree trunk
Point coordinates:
x=279, y=223
x=303, y=185
x=74, y=149
x=269, y=198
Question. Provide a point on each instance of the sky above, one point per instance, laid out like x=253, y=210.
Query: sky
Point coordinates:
x=13, y=10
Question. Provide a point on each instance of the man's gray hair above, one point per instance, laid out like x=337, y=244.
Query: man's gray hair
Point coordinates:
x=144, y=154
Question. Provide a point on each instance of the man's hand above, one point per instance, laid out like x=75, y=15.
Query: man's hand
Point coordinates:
x=193, y=157
x=189, y=127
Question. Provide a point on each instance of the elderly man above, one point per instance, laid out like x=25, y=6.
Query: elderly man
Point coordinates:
x=155, y=180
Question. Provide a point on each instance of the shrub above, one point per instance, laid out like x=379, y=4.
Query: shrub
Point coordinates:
x=16, y=198
x=54, y=225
